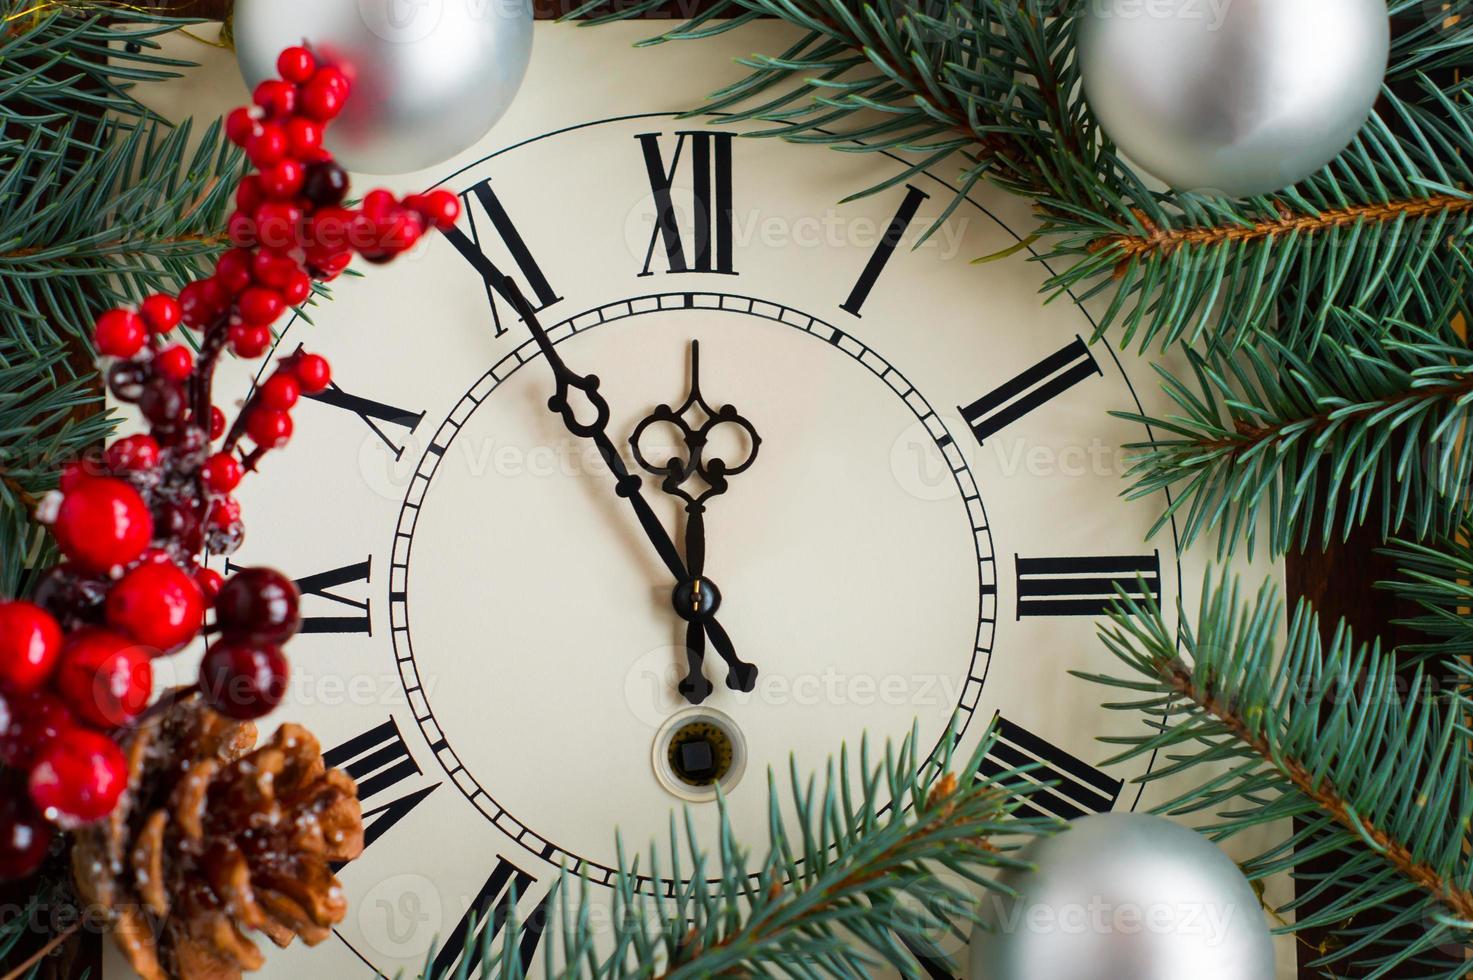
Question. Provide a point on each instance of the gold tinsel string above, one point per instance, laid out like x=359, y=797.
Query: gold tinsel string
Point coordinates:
x=42, y=8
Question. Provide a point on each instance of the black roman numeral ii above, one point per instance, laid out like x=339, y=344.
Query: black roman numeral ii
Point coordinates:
x=1085, y=586
x=880, y=257
x=711, y=202
x=1046, y=380
x=380, y=762
x=490, y=911
x=376, y=415
x=1079, y=788
x=472, y=248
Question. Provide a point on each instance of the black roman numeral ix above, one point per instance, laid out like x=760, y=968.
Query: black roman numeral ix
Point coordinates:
x=1046, y=380
x=380, y=762
x=473, y=249
x=490, y=910
x=1079, y=787
x=711, y=202
x=376, y=415
x=880, y=257
x=1085, y=586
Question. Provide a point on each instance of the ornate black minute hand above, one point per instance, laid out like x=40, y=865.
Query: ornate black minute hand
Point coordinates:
x=697, y=598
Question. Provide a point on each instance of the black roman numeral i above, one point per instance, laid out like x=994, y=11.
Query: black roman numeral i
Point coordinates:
x=380, y=762
x=1079, y=787
x=1085, y=586
x=472, y=248
x=376, y=415
x=711, y=202
x=490, y=910
x=1046, y=380
x=880, y=257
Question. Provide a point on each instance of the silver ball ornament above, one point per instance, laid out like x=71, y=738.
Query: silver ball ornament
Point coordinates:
x=1234, y=97
x=430, y=77
x=1125, y=895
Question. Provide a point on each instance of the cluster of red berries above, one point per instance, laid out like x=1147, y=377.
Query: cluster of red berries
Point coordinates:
x=76, y=663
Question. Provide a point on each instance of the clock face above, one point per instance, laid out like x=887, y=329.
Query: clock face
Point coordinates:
x=909, y=492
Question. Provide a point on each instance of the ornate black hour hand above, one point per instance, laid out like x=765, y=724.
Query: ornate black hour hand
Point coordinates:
x=695, y=479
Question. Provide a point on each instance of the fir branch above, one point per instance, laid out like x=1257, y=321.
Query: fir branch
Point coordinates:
x=1437, y=575
x=1375, y=774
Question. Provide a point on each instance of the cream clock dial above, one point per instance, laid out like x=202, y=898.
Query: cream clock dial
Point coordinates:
x=900, y=467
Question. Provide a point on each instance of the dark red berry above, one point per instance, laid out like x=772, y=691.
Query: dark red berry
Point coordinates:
x=210, y=582
x=30, y=642
x=77, y=780
x=158, y=604
x=259, y=602
x=163, y=402
x=224, y=512
x=326, y=184
x=125, y=380
x=296, y=64
x=179, y=522
x=135, y=452
x=25, y=837
x=243, y=678
x=72, y=596
x=35, y=721
x=217, y=422
x=106, y=679
x=101, y=523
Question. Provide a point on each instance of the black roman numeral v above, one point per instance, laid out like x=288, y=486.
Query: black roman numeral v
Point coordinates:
x=1085, y=586
x=490, y=910
x=1046, y=380
x=473, y=247
x=380, y=763
x=1078, y=787
x=710, y=204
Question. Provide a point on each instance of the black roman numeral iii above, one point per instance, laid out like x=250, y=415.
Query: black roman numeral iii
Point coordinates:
x=1085, y=586
x=375, y=415
x=473, y=247
x=710, y=161
x=1046, y=380
x=880, y=257
x=380, y=763
x=1079, y=788
x=490, y=910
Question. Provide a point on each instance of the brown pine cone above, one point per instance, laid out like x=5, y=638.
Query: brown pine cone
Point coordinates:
x=214, y=837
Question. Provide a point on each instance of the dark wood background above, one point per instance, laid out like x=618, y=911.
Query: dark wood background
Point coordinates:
x=1339, y=582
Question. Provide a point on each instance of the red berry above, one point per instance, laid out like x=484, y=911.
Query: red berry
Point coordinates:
x=298, y=289
x=35, y=721
x=273, y=269
x=158, y=604
x=78, y=779
x=279, y=225
x=259, y=602
x=303, y=137
x=283, y=180
x=233, y=271
x=241, y=228
x=221, y=473
x=209, y=582
x=224, y=511
x=379, y=204
x=106, y=679
x=249, y=194
x=30, y=641
x=175, y=363
x=161, y=312
x=202, y=301
x=314, y=373
x=25, y=838
x=217, y=422
x=439, y=207
x=296, y=64
x=323, y=96
x=260, y=307
x=101, y=523
x=249, y=341
x=278, y=98
x=281, y=391
x=267, y=146
x=269, y=428
x=135, y=452
x=329, y=267
x=243, y=678
x=120, y=333
x=240, y=126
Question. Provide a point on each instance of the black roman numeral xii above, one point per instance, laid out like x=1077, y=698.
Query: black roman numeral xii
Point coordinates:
x=710, y=164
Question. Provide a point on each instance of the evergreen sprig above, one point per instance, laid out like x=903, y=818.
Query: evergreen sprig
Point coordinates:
x=851, y=882
x=1372, y=767
x=1437, y=575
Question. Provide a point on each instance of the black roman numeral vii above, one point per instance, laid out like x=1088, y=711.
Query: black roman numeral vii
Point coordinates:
x=1079, y=788
x=375, y=415
x=380, y=763
x=1046, y=380
x=473, y=249
x=880, y=257
x=490, y=911
x=1085, y=586
x=710, y=205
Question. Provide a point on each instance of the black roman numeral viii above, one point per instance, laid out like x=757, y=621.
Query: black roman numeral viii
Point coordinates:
x=1085, y=586
x=1046, y=380
x=880, y=257
x=473, y=247
x=490, y=911
x=380, y=763
x=1079, y=787
x=710, y=163
x=378, y=416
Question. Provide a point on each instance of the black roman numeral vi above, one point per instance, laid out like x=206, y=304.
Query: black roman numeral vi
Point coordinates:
x=490, y=910
x=1079, y=787
x=711, y=202
x=1085, y=586
x=473, y=249
x=380, y=762
x=318, y=585
x=1046, y=380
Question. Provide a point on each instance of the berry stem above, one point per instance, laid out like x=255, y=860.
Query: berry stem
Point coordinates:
x=202, y=382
